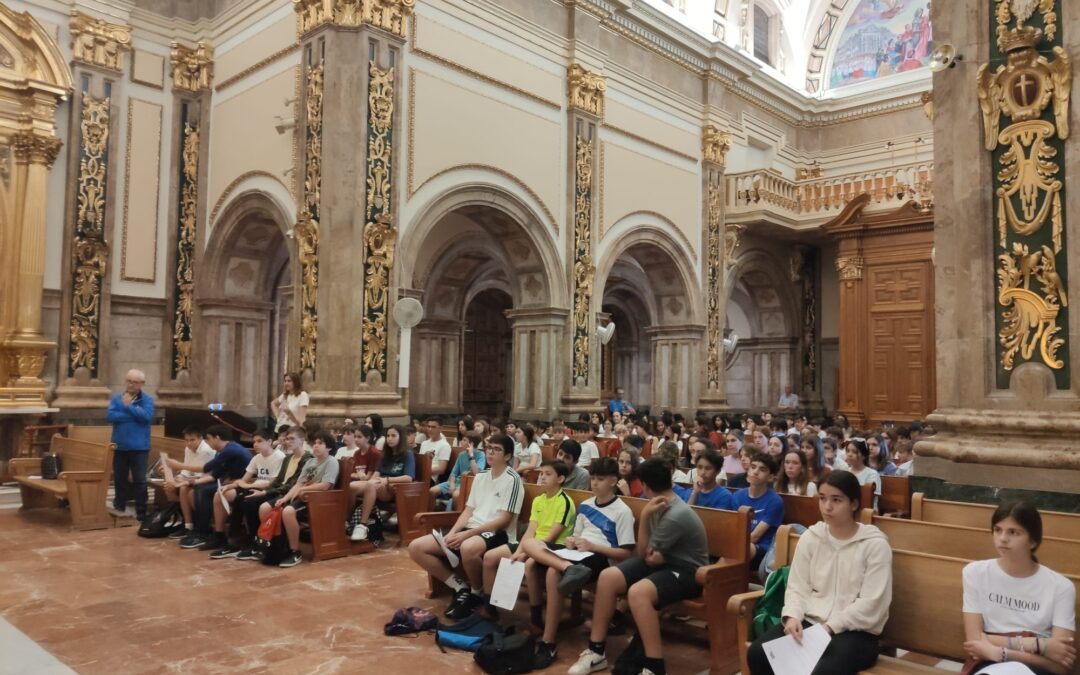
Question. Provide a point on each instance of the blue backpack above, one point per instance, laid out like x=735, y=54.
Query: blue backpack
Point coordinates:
x=467, y=634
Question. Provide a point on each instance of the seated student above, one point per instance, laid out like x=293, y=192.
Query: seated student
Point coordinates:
x=794, y=478
x=905, y=457
x=228, y=464
x=732, y=464
x=471, y=460
x=671, y=546
x=629, y=484
x=705, y=491
x=669, y=452
x=857, y=456
x=527, y=452
x=604, y=527
x=488, y=521
x=1014, y=608
x=569, y=451
x=550, y=522
x=438, y=447
x=589, y=451
x=349, y=443
x=879, y=456
x=196, y=454
x=248, y=509
x=398, y=465
x=855, y=608
x=319, y=474
x=746, y=452
x=260, y=473
x=767, y=505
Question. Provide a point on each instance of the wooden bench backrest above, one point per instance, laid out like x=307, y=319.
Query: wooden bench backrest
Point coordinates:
x=646, y=450
x=1060, y=555
x=1055, y=523
x=423, y=468
x=172, y=448
x=103, y=433
x=895, y=494
x=81, y=455
x=801, y=510
x=866, y=495
x=346, y=466
x=547, y=450
x=728, y=531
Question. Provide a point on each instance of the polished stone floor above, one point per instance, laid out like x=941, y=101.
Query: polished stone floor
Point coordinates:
x=107, y=601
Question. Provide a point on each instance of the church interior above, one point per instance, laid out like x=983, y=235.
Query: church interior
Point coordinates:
x=676, y=256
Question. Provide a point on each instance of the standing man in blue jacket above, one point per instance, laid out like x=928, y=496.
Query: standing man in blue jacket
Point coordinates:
x=131, y=413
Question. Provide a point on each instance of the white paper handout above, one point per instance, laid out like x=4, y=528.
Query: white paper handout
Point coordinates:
x=224, y=502
x=1005, y=668
x=504, y=593
x=572, y=555
x=789, y=657
x=166, y=471
x=451, y=557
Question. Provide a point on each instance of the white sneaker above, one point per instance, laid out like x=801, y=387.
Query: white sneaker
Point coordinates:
x=359, y=532
x=588, y=662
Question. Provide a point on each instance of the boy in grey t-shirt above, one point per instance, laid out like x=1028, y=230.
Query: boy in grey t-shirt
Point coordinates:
x=671, y=545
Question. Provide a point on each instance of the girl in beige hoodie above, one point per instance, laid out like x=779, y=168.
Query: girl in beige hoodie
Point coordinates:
x=841, y=577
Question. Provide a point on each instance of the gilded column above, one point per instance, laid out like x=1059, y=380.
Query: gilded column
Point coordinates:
x=353, y=78
x=714, y=148
x=585, y=91
x=98, y=48
x=192, y=77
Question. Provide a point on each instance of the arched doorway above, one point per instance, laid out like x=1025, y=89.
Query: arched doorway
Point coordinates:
x=244, y=303
x=488, y=345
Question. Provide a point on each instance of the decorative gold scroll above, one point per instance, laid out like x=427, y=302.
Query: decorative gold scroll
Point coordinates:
x=379, y=232
x=715, y=144
x=1030, y=318
x=388, y=15
x=90, y=252
x=99, y=42
x=185, y=250
x=732, y=234
x=1022, y=11
x=714, y=285
x=584, y=270
x=586, y=90
x=307, y=227
x=192, y=67
x=850, y=268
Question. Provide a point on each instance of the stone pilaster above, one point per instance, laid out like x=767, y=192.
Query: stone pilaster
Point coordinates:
x=538, y=336
x=352, y=99
x=438, y=343
x=714, y=147
x=677, y=359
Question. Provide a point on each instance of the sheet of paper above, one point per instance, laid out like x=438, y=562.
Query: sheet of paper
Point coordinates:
x=789, y=657
x=572, y=556
x=1006, y=668
x=451, y=557
x=507, y=586
x=166, y=471
x=224, y=502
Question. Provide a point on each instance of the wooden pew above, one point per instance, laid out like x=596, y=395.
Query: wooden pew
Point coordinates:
x=970, y=543
x=83, y=481
x=328, y=512
x=800, y=510
x=646, y=450
x=412, y=498
x=103, y=433
x=548, y=450
x=895, y=496
x=1055, y=523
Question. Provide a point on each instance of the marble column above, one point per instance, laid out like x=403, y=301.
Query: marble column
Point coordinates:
x=538, y=338
x=98, y=48
x=676, y=361
x=1002, y=424
x=435, y=376
x=714, y=147
x=351, y=126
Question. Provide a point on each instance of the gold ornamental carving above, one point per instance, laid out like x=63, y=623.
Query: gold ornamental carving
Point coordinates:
x=1022, y=11
x=90, y=252
x=715, y=144
x=30, y=148
x=586, y=90
x=850, y=267
x=379, y=232
x=185, y=251
x=388, y=15
x=732, y=236
x=192, y=67
x=714, y=256
x=584, y=269
x=1030, y=318
x=99, y=42
x=307, y=226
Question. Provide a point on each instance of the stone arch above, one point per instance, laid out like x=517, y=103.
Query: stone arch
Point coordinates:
x=254, y=181
x=244, y=285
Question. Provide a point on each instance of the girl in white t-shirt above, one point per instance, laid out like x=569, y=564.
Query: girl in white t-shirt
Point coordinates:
x=527, y=452
x=857, y=456
x=794, y=476
x=1014, y=608
x=290, y=408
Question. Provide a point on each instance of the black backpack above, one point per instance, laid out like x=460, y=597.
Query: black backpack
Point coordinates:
x=159, y=523
x=50, y=466
x=506, y=653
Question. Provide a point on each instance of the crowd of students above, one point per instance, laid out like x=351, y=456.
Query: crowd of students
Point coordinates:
x=841, y=575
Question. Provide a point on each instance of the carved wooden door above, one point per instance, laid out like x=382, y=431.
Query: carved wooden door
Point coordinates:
x=487, y=352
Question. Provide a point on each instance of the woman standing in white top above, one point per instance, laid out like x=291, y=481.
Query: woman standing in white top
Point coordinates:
x=1014, y=608
x=290, y=408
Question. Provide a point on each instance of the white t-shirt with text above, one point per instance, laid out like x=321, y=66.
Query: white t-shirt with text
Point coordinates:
x=1010, y=604
x=266, y=468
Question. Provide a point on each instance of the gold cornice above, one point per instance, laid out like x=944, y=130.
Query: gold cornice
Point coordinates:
x=257, y=66
x=192, y=67
x=387, y=15
x=714, y=144
x=98, y=42
x=585, y=90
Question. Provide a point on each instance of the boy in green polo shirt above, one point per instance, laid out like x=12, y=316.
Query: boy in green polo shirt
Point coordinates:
x=551, y=521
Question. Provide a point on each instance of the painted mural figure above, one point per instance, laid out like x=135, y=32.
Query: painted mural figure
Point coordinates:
x=883, y=37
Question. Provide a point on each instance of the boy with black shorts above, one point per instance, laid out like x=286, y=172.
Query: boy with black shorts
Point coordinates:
x=671, y=546
x=488, y=521
x=604, y=528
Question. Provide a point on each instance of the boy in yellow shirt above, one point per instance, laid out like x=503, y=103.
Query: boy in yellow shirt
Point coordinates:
x=551, y=521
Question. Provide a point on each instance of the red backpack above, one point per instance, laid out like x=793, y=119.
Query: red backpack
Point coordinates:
x=271, y=527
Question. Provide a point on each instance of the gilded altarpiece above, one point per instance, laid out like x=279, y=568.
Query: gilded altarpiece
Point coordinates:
x=90, y=250
x=1024, y=95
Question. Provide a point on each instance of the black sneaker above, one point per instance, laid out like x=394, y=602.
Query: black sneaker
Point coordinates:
x=545, y=656
x=292, y=560
x=574, y=579
x=226, y=552
x=178, y=532
x=248, y=554
x=192, y=540
x=214, y=542
x=462, y=605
